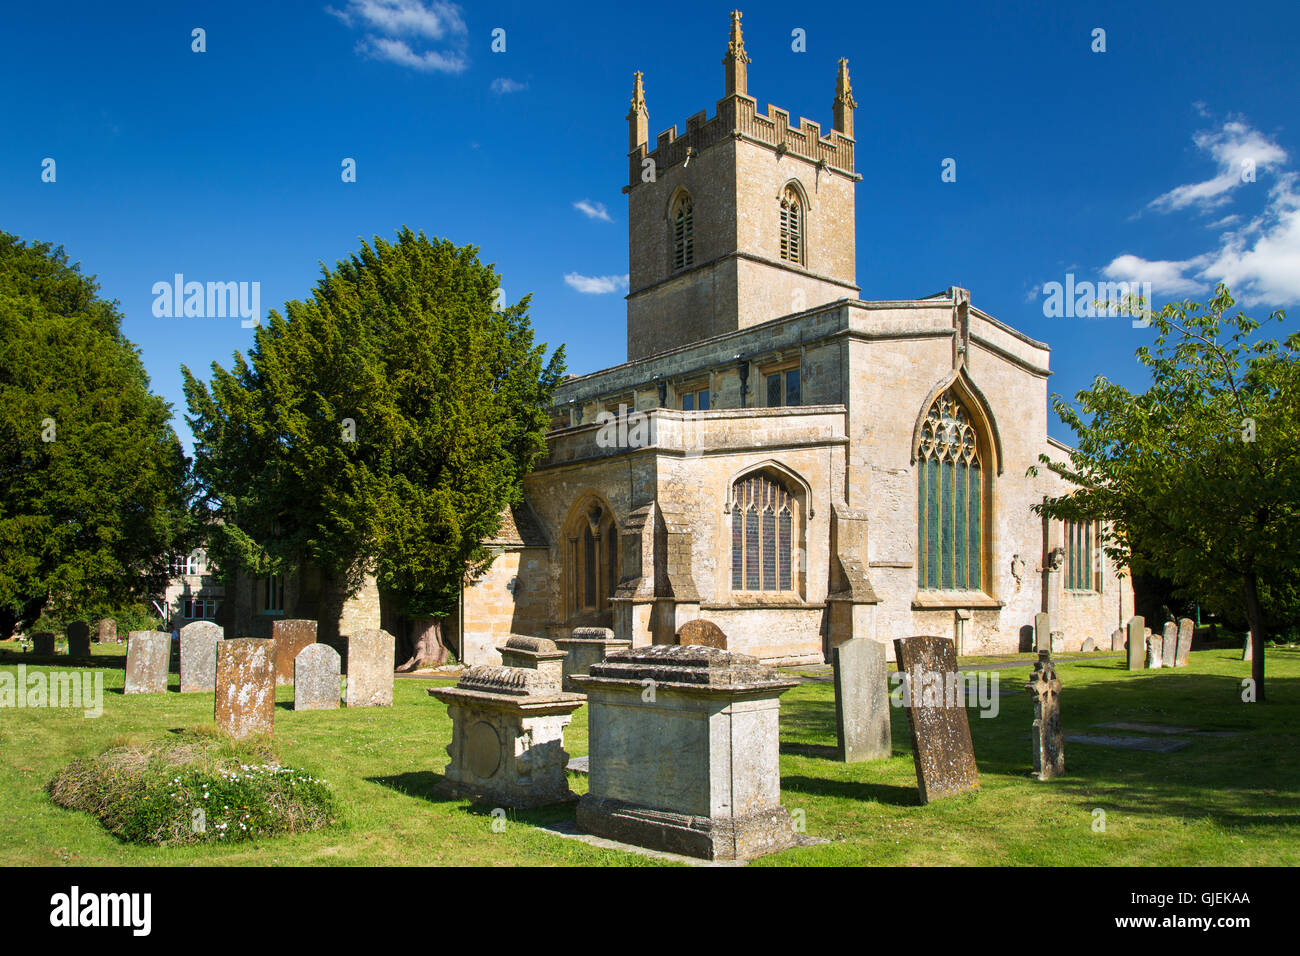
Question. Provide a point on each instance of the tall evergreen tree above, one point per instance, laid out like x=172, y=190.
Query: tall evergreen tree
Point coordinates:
x=381, y=426
x=91, y=472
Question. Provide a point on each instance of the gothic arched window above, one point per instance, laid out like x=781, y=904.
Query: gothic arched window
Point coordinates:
x=791, y=226
x=683, y=226
x=762, y=534
x=592, y=559
x=950, y=495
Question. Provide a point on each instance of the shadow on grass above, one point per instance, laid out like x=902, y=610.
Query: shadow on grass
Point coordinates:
x=423, y=784
x=112, y=663
x=817, y=751
x=853, y=790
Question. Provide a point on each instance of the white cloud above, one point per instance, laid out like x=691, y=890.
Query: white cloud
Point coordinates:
x=595, y=285
x=1234, y=148
x=429, y=37
x=502, y=85
x=1258, y=257
x=593, y=210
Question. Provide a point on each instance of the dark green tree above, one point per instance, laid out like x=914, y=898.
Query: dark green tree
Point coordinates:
x=1198, y=476
x=381, y=426
x=91, y=472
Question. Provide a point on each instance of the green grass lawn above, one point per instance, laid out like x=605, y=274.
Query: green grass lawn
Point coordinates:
x=1222, y=800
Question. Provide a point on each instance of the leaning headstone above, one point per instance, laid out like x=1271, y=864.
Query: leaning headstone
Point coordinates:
x=106, y=631
x=1042, y=631
x=1136, y=643
x=1089, y=645
x=245, y=697
x=584, y=647
x=534, y=653
x=702, y=633
x=1168, y=644
x=862, y=701
x=1049, y=749
x=507, y=737
x=1248, y=648
x=1117, y=639
x=148, y=658
x=78, y=639
x=199, y=656
x=935, y=699
x=370, y=669
x=1186, y=631
x=43, y=643
x=290, y=638
x=316, y=678
x=1155, y=652
x=685, y=752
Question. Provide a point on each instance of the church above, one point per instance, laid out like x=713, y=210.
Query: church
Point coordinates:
x=776, y=455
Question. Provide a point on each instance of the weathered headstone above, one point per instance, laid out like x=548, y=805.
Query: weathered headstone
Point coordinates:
x=1155, y=652
x=1117, y=639
x=245, y=697
x=148, y=658
x=587, y=646
x=1049, y=749
x=1089, y=645
x=43, y=643
x=534, y=653
x=1186, y=631
x=370, y=669
x=1058, y=642
x=106, y=631
x=316, y=678
x=685, y=752
x=78, y=639
x=1042, y=631
x=1168, y=644
x=1136, y=643
x=199, y=656
x=507, y=740
x=1248, y=648
x=935, y=699
x=862, y=701
x=290, y=637
x=702, y=633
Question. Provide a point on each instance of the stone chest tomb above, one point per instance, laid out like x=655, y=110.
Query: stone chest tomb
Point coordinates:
x=535, y=653
x=507, y=739
x=684, y=752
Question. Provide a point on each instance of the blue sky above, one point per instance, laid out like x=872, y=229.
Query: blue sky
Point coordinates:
x=225, y=165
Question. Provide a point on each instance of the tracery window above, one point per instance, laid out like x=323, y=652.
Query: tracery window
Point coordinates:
x=950, y=485
x=791, y=226
x=683, y=225
x=1080, y=555
x=762, y=532
x=592, y=560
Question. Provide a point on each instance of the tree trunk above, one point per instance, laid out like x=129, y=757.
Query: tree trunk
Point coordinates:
x=426, y=647
x=1255, y=615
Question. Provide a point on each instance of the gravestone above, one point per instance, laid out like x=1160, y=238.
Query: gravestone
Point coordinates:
x=1186, y=631
x=370, y=669
x=1049, y=749
x=685, y=752
x=862, y=701
x=43, y=643
x=1136, y=643
x=246, y=678
x=935, y=699
x=199, y=656
x=148, y=658
x=507, y=738
x=1117, y=639
x=702, y=633
x=316, y=678
x=1042, y=631
x=1168, y=644
x=586, y=646
x=79, y=639
x=1155, y=652
x=534, y=653
x=290, y=638
x=1248, y=648
x=1089, y=645
x=1058, y=642
x=106, y=631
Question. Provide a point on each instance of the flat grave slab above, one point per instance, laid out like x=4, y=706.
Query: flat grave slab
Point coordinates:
x=1155, y=745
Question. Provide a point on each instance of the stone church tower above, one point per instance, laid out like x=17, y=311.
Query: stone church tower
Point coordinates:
x=740, y=219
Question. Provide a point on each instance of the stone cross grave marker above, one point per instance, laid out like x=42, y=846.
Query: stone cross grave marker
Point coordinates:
x=1049, y=748
x=316, y=678
x=199, y=656
x=148, y=658
x=245, y=697
x=290, y=637
x=370, y=669
x=862, y=701
x=936, y=717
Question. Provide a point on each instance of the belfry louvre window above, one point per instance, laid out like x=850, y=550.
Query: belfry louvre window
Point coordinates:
x=791, y=226
x=1080, y=553
x=950, y=487
x=683, y=222
x=762, y=529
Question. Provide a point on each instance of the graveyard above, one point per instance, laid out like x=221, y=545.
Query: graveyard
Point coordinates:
x=1214, y=783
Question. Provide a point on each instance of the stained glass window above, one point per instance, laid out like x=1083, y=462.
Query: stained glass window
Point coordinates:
x=950, y=499
x=762, y=533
